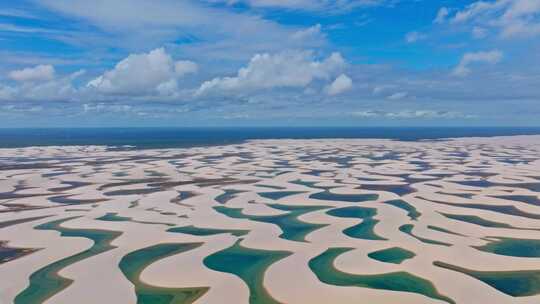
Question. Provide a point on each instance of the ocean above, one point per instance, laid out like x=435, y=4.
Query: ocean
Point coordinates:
x=148, y=138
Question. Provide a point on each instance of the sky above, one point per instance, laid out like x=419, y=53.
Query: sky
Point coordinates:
x=107, y=63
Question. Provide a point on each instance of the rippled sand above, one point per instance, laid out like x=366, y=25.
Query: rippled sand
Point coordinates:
x=273, y=221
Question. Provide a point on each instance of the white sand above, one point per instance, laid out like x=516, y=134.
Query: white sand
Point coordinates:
x=99, y=280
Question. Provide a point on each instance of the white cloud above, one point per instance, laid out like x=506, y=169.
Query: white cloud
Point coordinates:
x=6, y=93
x=427, y=114
x=102, y=107
x=342, y=84
x=17, y=13
x=220, y=33
x=412, y=37
x=309, y=33
x=367, y=114
x=167, y=88
x=327, y=5
x=398, y=96
x=7, y=27
x=143, y=73
x=490, y=57
x=56, y=89
x=412, y=114
x=479, y=32
x=381, y=88
x=21, y=109
x=282, y=70
x=476, y=9
x=441, y=15
x=512, y=17
x=37, y=73
x=183, y=67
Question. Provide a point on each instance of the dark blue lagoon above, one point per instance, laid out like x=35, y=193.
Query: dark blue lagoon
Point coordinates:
x=188, y=137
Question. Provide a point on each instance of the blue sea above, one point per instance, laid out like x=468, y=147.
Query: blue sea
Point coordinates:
x=145, y=138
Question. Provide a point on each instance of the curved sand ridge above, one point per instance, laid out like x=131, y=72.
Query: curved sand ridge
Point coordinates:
x=273, y=221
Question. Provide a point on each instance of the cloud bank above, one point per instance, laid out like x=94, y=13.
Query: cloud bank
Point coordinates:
x=292, y=69
x=143, y=73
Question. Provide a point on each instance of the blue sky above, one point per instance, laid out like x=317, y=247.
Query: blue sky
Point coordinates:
x=269, y=63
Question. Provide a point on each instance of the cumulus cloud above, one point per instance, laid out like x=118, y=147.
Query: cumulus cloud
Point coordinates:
x=512, y=17
x=143, y=73
x=490, y=57
x=413, y=37
x=30, y=89
x=283, y=70
x=58, y=89
x=154, y=74
x=38, y=73
x=340, y=85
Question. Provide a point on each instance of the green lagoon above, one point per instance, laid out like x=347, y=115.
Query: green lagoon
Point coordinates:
x=46, y=282
x=521, y=283
x=293, y=228
x=135, y=262
x=366, y=229
x=394, y=255
x=323, y=267
x=249, y=265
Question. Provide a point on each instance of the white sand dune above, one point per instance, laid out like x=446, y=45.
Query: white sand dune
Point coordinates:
x=137, y=191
